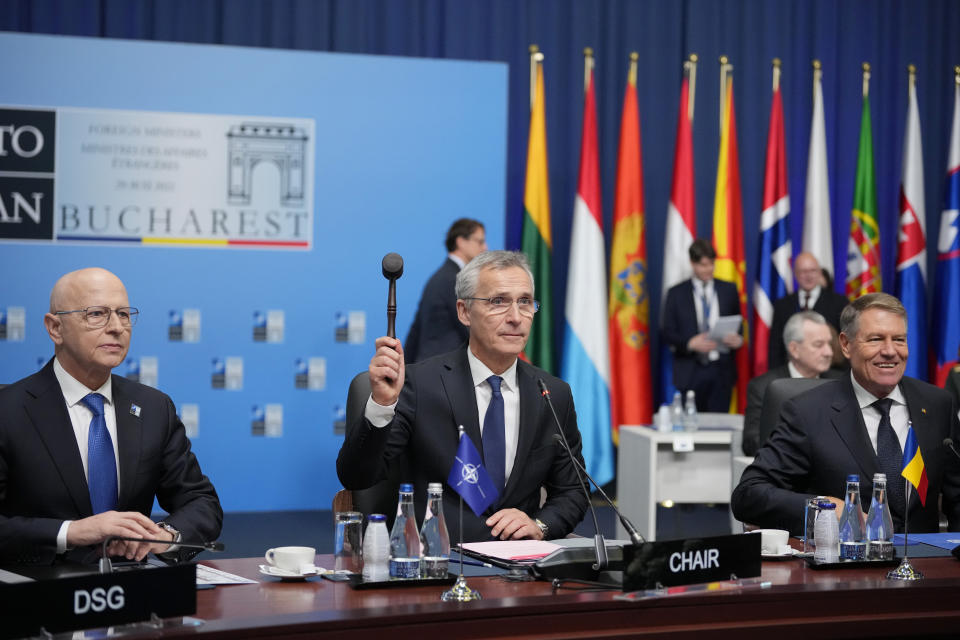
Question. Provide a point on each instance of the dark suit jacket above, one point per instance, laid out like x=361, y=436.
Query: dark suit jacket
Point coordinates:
x=680, y=324
x=830, y=304
x=952, y=385
x=436, y=328
x=438, y=395
x=42, y=482
x=755, y=392
x=821, y=438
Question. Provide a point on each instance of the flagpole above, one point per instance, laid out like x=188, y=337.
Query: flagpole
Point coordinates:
x=905, y=570
x=691, y=67
x=535, y=59
x=460, y=592
x=725, y=70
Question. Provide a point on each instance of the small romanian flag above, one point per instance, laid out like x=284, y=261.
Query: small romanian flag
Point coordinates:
x=913, y=468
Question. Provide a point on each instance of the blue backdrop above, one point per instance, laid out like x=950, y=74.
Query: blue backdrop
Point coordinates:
x=391, y=173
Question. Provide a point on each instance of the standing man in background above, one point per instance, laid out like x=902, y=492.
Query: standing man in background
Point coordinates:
x=810, y=295
x=83, y=453
x=690, y=312
x=435, y=327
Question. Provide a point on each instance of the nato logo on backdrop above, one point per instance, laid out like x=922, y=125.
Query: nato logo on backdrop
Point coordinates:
x=350, y=327
x=145, y=370
x=267, y=420
x=13, y=324
x=227, y=373
x=184, y=326
x=268, y=327
x=310, y=374
x=27, y=139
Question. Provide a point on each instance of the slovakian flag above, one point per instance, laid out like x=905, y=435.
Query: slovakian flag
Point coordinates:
x=537, y=241
x=817, y=227
x=586, y=358
x=681, y=218
x=911, y=276
x=731, y=264
x=469, y=477
x=774, y=279
x=863, y=249
x=946, y=322
x=913, y=468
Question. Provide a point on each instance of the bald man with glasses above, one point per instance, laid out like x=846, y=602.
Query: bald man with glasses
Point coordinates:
x=83, y=453
x=415, y=412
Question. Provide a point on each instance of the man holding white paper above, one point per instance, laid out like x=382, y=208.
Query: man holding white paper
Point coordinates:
x=699, y=317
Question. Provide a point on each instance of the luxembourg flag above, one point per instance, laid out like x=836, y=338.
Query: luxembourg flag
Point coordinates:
x=586, y=359
x=773, y=268
x=911, y=277
x=946, y=330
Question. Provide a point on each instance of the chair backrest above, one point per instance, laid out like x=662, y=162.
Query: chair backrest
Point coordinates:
x=778, y=392
x=381, y=497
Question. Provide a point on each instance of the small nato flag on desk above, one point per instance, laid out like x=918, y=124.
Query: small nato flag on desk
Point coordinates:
x=469, y=477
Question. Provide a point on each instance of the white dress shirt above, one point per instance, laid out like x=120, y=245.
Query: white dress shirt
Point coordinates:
x=899, y=415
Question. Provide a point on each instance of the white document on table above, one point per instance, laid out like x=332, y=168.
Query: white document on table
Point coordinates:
x=209, y=575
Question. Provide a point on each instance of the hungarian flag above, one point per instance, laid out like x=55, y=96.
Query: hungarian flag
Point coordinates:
x=731, y=262
x=586, y=360
x=863, y=250
x=817, y=228
x=681, y=223
x=946, y=323
x=774, y=279
x=629, y=313
x=537, y=241
x=911, y=276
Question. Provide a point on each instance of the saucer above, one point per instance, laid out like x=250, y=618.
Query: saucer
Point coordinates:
x=284, y=574
x=779, y=556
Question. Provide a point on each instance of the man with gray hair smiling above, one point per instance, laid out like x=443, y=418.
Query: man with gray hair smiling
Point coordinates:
x=857, y=424
x=809, y=351
x=416, y=411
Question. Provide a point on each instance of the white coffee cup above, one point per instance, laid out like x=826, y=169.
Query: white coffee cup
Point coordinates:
x=773, y=541
x=290, y=558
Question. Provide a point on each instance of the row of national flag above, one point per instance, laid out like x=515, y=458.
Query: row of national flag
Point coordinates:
x=606, y=344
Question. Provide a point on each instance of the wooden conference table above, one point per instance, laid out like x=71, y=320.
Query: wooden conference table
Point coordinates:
x=800, y=602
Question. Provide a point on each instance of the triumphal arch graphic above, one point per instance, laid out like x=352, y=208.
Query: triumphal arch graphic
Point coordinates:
x=251, y=143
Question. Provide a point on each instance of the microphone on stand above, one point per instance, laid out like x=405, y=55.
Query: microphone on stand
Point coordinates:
x=600, y=546
x=635, y=536
x=392, y=270
x=106, y=566
x=948, y=442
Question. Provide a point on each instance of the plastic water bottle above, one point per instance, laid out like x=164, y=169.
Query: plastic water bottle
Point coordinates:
x=879, y=522
x=664, y=421
x=853, y=543
x=404, y=540
x=826, y=531
x=434, y=538
x=376, y=550
x=676, y=411
x=690, y=419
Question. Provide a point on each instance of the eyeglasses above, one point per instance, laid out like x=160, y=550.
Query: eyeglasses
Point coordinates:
x=500, y=304
x=97, y=317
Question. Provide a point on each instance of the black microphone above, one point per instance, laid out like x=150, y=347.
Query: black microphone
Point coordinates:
x=106, y=566
x=598, y=542
x=948, y=442
x=635, y=536
x=392, y=270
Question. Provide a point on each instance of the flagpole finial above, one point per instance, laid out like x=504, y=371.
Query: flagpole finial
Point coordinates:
x=866, y=79
x=634, y=56
x=912, y=69
x=776, y=74
x=588, y=52
x=776, y=62
x=533, y=48
x=694, y=57
x=866, y=67
x=817, y=65
x=724, y=59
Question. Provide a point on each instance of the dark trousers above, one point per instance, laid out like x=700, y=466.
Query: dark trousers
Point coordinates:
x=712, y=382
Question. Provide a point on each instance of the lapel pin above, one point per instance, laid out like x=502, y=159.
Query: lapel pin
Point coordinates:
x=923, y=411
x=135, y=410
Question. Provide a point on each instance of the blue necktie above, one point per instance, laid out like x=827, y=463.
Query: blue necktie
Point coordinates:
x=101, y=463
x=494, y=439
x=890, y=459
x=705, y=301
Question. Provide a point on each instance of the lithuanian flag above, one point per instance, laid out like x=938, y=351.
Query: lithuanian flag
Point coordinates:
x=537, y=242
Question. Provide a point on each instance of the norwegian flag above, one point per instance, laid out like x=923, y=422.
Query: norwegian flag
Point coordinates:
x=911, y=278
x=946, y=325
x=773, y=273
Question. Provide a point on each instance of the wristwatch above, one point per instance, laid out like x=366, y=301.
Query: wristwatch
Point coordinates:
x=543, y=528
x=174, y=532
